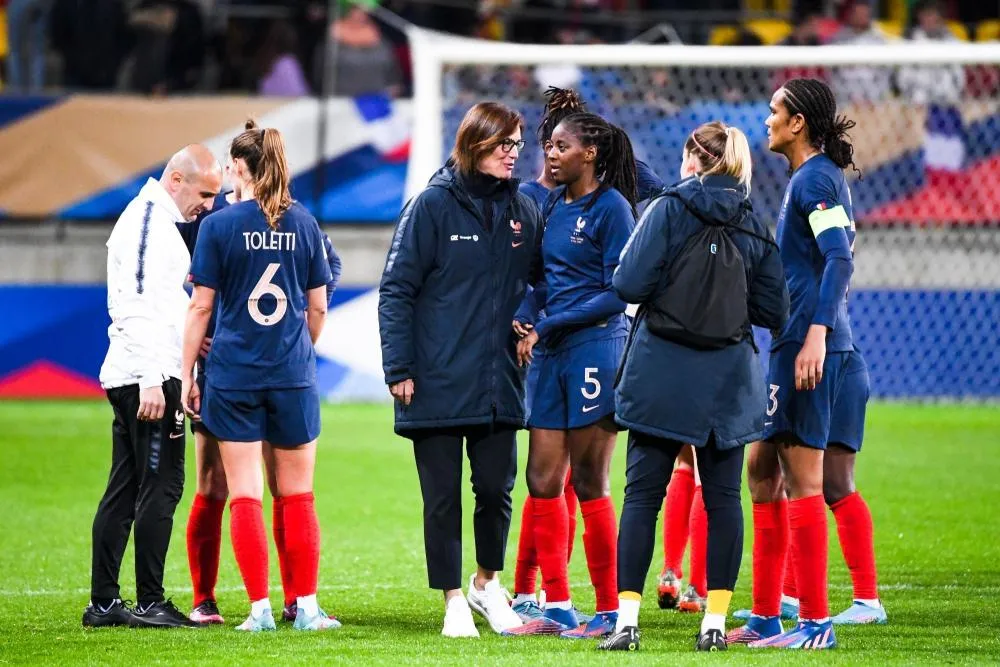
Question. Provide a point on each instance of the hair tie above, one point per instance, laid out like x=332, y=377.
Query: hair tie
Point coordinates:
x=702, y=148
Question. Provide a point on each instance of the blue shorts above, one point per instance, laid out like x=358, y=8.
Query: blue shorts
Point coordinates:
x=283, y=417
x=198, y=426
x=576, y=386
x=833, y=412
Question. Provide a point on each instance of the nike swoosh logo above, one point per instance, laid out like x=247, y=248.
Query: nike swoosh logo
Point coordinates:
x=592, y=407
x=174, y=436
x=516, y=244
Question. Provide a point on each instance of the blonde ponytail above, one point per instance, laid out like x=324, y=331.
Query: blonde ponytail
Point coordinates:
x=721, y=149
x=736, y=160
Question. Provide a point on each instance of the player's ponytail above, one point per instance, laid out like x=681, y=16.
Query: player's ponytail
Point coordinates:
x=560, y=103
x=721, y=149
x=837, y=144
x=263, y=151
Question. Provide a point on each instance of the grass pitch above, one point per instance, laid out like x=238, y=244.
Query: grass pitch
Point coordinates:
x=930, y=475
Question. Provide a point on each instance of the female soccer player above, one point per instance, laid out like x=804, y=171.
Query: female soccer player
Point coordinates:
x=818, y=385
x=264, y=257
x=683, y=517
x=680, y=371
x=463, y=250
x=204, y=527
x=589, y=220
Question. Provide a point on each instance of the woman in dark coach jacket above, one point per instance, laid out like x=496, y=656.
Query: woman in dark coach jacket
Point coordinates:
x=709, y=395
x=456, y=272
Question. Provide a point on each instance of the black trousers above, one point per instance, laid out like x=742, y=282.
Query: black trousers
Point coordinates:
x=492, y=451
x=145, y=485
x=649, y=465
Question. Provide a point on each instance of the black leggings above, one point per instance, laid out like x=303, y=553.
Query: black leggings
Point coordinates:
x=650, y=464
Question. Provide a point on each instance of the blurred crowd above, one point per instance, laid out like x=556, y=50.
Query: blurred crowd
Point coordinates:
x=296, y=47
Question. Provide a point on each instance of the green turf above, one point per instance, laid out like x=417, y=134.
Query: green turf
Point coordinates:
x=929, y=473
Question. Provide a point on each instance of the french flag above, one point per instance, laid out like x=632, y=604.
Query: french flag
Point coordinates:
x=944, y=144
x=389, y=129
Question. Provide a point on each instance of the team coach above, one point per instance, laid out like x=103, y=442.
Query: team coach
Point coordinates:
x=147, y=267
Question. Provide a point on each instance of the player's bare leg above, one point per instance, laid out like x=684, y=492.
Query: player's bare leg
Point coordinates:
x=856, y=533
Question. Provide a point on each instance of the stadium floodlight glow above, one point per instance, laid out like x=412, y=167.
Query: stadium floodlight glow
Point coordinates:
x=432, y=52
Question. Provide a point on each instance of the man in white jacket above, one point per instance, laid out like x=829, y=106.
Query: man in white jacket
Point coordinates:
x=148, y=264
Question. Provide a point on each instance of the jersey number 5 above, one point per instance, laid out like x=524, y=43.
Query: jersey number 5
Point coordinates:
x=265, y=286
x=589, y=379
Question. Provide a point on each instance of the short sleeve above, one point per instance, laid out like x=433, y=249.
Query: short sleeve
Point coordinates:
x=206, y=263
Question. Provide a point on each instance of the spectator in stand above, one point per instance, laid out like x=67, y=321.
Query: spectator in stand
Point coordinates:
x=861, y=84
x=27, y=23
x=362, y=61
x=805, y=32
x=93, y=41
x=279, y=69
x=170, y=51
x=941, y=84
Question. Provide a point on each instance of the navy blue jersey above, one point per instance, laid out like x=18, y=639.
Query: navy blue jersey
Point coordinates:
x=580, y=251
x=189, y=232
x=647, y=183
x=261, y=277
x=538, y=192
x=816, y=239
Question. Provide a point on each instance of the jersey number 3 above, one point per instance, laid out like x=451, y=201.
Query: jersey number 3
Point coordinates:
x=265, y=286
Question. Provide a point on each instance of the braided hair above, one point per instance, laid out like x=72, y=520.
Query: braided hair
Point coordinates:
x=615, y=164
x=827, y=131
x=560, y=102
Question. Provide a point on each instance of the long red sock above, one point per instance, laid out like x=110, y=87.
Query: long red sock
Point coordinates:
x=204, y=539
x=808, y=534
x=789, y=588
x=551, y=529
x=249, y=536
x=278, y=529
x=857, y=542
x=770, y=544
x=600, y=542
x=526, y=569
x=699, y=544
x=302, y=543
x=571, y=504
x=676, y=519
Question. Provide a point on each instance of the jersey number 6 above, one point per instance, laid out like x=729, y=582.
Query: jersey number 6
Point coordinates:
x=265, y=286
x=589, y=379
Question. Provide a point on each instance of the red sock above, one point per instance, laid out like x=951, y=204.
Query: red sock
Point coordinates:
x=571, y=505
x=676, y=517
x=854, y=527
x=789, y=588
x=600, y=542
x=699, y=544
x=249, y=536
x=302, y=543
x=808, y=534
x=526, y=569
x=204, y=538
x=770, y=544
x=278, y=528
x=550, y=545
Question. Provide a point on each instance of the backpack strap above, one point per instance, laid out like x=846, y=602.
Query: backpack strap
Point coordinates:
x=734, y=225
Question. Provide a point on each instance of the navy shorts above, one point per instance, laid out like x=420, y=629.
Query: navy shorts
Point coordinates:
x=576, y=386
x=833, y=412
x=283, y=417
x=198, y=426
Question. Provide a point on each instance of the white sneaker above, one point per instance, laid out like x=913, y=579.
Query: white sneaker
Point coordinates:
x=492, y=605
x=458, y=619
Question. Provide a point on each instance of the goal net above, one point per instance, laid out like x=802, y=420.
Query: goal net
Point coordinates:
x=925, y=300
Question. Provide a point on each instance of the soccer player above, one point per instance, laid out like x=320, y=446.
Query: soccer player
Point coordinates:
x=818, y=384
x=683, y=516
x=691, y=352
x=264, y=257
x=462, y=252
x=204, y=527
x=588, y=222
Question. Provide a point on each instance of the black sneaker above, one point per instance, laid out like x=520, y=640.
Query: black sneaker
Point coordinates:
x=289, y=612
x=161, y=615
x=118, y=614
x=626, y=640
x=713, y=640
x=207, y=613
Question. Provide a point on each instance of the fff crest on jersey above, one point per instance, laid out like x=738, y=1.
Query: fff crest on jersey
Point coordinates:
x=576, y=236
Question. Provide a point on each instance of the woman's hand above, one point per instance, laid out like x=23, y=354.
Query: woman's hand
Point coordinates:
x=525, y=346
x=809, y=362
x=402, y=391
x=522, y=329
x=191, y=398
